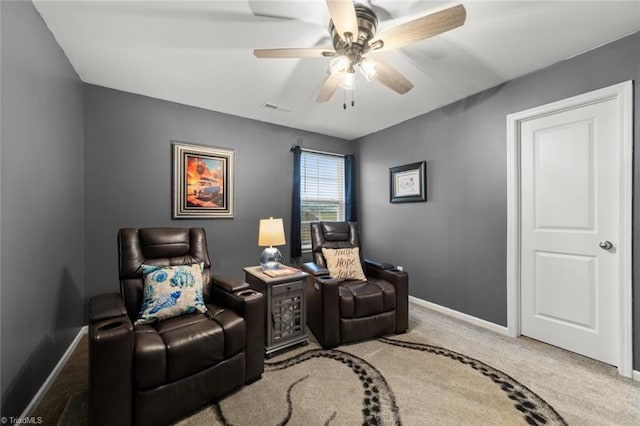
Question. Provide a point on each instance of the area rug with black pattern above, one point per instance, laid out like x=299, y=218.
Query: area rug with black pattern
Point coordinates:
x=395, y=380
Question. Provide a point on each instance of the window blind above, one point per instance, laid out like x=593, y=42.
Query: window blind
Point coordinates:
x=321, y=191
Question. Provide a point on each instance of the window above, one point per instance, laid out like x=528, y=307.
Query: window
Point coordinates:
x=321, y=191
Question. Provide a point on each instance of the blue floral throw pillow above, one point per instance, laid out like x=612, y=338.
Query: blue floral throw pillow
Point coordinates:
x=171, y=291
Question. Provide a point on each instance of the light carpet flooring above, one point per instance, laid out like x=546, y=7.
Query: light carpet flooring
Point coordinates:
x=581, y=390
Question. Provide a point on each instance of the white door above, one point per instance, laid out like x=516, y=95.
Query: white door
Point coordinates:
x=570, y=229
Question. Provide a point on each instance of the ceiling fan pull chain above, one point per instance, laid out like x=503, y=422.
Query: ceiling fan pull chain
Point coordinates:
x=344, y=97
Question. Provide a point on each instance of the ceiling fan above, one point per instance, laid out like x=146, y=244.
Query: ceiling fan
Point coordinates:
x=353, y=33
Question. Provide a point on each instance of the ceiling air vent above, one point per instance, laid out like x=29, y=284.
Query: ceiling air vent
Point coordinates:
x=274, y=107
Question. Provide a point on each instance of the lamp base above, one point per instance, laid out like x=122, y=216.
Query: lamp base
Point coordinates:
x=270, y=258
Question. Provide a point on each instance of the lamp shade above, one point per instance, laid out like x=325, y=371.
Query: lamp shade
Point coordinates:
x=271, y=232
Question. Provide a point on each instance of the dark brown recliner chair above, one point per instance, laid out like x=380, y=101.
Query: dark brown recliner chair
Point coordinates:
x=155, y=373
x=348, y=311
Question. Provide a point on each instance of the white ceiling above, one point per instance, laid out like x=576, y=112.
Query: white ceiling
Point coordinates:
x=200, y=53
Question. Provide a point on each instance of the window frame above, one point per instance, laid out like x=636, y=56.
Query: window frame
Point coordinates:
x=340, y=200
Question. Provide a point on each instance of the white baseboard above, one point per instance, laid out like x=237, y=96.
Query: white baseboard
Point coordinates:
x=37, y=398
x=477, y=321
x=461, y=316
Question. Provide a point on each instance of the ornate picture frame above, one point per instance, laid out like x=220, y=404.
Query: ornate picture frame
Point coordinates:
x=203, y=182
x=408, y=183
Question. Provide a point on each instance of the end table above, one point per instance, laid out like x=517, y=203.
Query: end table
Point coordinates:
x=286, y=317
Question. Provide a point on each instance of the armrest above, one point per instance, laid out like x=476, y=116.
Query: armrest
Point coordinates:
x=110, y=365
x=319, y=276
x=384, y=271
x=323, y=308
x=400, y=280
x=313, y=269
x=106, y=306
x=230, y=285
x=250, y=305
x=377, y=265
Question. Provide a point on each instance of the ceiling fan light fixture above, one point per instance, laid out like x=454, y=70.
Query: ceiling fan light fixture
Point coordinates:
x=353, y=30
x=339, y=65
x=348, y=81
x=367, y=68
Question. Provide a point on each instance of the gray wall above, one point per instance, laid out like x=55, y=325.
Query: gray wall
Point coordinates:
x=454, y=246
x=128, y=176
x=42, y=204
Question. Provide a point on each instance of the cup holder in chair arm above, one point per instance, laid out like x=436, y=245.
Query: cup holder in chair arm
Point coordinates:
x=248, y=293
x=230, y=285
x=113, y=328
x=110, y=325
x=324, y=280
x=312, y=268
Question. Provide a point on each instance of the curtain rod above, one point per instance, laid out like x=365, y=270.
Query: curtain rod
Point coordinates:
x=315, y=151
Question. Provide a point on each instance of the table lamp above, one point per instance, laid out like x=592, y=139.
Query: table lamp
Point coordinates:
x=271, y=233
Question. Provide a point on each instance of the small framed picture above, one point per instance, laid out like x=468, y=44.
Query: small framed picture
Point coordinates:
x=203, y=179
x=408, y=183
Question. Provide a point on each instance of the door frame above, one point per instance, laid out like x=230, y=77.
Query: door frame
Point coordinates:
x=622, y=93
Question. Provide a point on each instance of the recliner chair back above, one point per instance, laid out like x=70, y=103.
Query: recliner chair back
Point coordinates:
x=157, y=247
x=333, y=235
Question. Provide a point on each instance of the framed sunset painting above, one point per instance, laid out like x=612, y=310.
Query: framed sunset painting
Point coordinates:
x=203, y=179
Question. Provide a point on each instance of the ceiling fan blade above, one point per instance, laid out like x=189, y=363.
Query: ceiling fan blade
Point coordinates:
x=391, y=78
x=294, y=53
x=329, y=88
x=420, y=28
x=343, y=15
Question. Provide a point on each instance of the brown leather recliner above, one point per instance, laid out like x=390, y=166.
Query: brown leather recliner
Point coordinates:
x=156, y=373
x=347, y=311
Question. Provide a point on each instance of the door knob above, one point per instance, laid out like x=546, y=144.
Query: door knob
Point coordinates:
x=606, y=245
